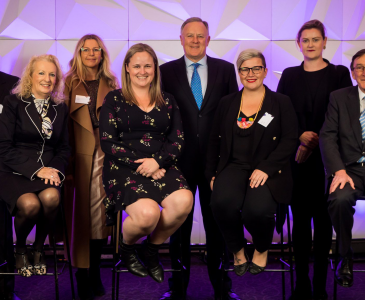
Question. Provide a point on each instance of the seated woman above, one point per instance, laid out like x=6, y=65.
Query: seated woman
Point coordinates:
x=142, y=138
x=34, y=151
x=253, y=137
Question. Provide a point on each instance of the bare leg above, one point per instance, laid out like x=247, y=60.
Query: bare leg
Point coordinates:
x=239, y=257
x=259, y=258
x=142, y=219
x=176, y=208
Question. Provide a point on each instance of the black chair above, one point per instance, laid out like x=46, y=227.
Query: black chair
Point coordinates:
x=55, y=272
x=117, y=262
x=282, y=214
x=336, y=261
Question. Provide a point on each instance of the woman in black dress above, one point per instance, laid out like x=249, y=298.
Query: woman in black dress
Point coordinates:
x=142, y=138
x=253, y=137
x=309, y=86
x=34, y=151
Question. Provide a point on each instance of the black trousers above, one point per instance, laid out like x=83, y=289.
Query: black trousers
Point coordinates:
x=341, y=207
x=6, y=250
x=214, y=241
x=235, y=204
x=309, y=203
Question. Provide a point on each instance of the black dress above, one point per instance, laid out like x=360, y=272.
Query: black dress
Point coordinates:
x=127, y=134
x=24, y=149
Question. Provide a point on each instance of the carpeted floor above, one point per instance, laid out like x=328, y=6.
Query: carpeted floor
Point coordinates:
x=266, y=286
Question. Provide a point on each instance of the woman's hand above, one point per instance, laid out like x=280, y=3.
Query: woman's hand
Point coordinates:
x=340, y=179
x=147, y=166
x=49, y=174
x=258, y=177
x=212, y=183
x=309, y=139
x=303, y=153
x=158, y=174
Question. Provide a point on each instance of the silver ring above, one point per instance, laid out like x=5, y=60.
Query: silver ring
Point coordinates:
x=51, y=176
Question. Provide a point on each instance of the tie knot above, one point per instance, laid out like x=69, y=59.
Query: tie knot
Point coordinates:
x=195, y=65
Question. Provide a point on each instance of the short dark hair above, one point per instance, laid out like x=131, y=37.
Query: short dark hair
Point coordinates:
x=195, y=19
x=312, y=24
x=358, y=54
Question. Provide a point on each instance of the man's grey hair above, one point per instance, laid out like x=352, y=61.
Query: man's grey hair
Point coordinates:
x=195, y=19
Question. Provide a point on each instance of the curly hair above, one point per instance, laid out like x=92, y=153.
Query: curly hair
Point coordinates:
x=24, y=85
x=78, y=70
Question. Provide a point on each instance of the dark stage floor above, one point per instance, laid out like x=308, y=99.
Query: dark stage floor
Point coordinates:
x=261, y=287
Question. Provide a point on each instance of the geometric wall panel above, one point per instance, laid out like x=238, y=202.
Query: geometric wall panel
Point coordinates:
x=353, y=20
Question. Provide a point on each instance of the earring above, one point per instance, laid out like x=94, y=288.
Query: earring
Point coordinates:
x=324, y=47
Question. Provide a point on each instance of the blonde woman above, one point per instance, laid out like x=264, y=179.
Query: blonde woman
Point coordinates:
x=34, y=152
x=87, y=83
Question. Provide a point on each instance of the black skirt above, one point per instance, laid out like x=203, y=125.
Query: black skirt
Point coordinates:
x=13, y=186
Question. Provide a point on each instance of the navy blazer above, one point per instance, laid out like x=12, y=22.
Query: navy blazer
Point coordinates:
x=272, y=145
x=23, y=150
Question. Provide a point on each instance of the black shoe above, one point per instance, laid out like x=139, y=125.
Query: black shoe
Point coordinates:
x=131, y=260
x=255, y=269
x=241, y=269
x=172, y=295
x=11, y=296
x=153, y=264
x=228, y=295
x=344, y=273
x=83, y=286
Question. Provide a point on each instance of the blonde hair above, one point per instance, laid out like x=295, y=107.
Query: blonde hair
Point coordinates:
x=248, y=54
x=24, y=85
x=78, y=70
x=155, y=87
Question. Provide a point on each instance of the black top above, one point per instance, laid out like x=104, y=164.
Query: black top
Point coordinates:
x=313, y=81
x=92, y=88
x=242, y=144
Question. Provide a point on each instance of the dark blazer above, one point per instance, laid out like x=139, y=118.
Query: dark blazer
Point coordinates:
x=272, y=145
x=7, y=82
x=293, y=84
x=23, y=150
x=197, y=123
x=340, y=139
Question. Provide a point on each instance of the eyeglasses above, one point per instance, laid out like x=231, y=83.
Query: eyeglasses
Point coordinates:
x=88, y=50
x=256, y=70
x=359, y=69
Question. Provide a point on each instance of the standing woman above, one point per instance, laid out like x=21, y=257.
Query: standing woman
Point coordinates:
x=309, y=86
x=87, y=83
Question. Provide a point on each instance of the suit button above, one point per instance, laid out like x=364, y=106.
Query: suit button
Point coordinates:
x=279, y=171
x=274, y=138
x=200, y=116
x=197, y=135
x=363, y=153
x=219, y=136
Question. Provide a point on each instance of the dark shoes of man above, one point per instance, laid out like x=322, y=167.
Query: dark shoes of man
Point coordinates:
x=344, y=273
x=228, y=295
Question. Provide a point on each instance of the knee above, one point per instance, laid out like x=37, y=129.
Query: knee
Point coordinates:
x=148, y=217
x=50, y=199
x=30, y=208
x=255, y=215
x=340, y=199
x=184, y=202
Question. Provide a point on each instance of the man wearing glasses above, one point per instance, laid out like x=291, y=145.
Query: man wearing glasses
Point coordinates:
x=197, y=82
x=342, y=144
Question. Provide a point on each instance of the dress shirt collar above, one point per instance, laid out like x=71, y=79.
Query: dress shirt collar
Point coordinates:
x=202, y=62
x=361, y=93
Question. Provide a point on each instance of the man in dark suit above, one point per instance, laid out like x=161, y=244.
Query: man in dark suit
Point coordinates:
x=342, y=143
x=197, y=82
x=7, y=82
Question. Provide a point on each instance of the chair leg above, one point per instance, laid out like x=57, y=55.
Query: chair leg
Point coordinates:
x=334, y=270
x=182, y=267
x=282, y=264
x=290, y=251
x=55, y=271
x=68, y=251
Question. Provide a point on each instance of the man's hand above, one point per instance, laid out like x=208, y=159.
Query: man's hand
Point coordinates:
x=309, y=139
x=340, y=179
x=303, y=153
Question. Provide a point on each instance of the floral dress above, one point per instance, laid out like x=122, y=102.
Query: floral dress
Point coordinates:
x=127, y=134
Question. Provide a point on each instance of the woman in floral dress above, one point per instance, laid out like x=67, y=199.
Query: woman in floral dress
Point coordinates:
x=142, y=138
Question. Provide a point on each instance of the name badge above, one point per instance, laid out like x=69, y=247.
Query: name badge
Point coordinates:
x=266, y=119
x=82, y=99
x=1, y=108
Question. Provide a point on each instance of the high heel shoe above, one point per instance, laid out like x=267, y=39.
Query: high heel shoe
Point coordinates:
x=241, y=269
x=22, y=264
x=256, y=269
x=39, y=262
x=131, y=260
x=154, y=266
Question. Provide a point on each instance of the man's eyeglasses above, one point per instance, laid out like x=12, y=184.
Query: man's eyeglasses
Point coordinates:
x=88, y=50
x=256, y=70
x=359, y=69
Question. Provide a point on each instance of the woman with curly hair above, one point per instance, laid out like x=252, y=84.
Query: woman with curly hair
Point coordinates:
x=87, y=83
x=34, y=152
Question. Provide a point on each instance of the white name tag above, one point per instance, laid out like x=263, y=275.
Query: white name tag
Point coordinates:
x=1, y=108
x=266, y=119
x=82, y=99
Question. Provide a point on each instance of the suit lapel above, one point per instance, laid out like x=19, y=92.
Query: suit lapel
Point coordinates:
x=353, y=106
x=103, y=90
x=212, y=75
x=180, y=70
x=33, y=115
x=232, y=118
x=259, y=130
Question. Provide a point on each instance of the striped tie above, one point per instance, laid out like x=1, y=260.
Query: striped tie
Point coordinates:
x=196, y=86
x=362, y=122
